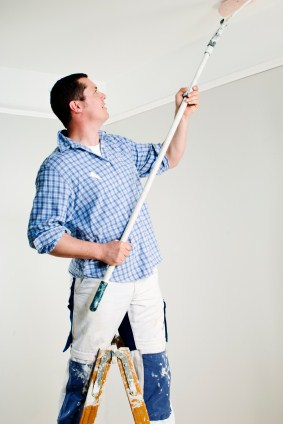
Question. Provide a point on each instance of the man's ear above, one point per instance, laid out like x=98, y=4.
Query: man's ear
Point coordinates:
x=75, y=106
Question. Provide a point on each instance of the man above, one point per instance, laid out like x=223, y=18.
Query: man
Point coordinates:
x=85, y=193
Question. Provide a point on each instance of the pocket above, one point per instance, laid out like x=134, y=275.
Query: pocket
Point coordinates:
x=165, y=321
x=86, y=285
x=71, y=308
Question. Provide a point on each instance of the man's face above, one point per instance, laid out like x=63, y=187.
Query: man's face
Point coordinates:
x=94, y=101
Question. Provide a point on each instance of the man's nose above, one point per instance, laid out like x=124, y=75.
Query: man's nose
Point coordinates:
x=102, y=95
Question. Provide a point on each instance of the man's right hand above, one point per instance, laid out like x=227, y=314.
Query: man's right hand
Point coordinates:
x=114, y=252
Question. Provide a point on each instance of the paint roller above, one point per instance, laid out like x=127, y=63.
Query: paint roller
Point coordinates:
x=228, y=9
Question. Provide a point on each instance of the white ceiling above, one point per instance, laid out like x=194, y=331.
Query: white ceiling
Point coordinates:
x=140, y=53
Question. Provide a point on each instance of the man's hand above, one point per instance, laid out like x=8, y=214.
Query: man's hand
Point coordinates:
x=192, y=100
x=114, y=252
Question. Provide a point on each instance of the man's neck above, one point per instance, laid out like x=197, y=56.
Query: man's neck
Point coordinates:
x=87, y=136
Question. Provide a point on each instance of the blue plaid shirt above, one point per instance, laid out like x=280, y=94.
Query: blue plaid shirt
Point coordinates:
x=92, y=198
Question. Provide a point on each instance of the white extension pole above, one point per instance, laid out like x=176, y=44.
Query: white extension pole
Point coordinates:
x=163, y=150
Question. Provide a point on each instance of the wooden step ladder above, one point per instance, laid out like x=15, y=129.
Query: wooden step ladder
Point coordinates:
x=104, y=359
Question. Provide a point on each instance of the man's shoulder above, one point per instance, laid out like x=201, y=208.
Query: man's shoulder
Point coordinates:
x=58, y=161
x=53, y=159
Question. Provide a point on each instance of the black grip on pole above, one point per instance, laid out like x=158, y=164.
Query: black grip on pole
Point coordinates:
x=98, y=296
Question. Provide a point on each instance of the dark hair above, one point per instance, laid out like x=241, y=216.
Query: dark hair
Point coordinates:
x=63, y=92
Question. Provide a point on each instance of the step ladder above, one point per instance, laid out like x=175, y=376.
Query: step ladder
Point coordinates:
x=105, y=358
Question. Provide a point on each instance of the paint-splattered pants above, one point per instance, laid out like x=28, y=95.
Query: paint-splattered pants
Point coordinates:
x=137, y=308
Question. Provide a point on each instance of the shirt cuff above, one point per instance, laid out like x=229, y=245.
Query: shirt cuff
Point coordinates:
x=46, y=241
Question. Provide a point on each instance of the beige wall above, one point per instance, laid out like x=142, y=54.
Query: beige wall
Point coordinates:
x=218, y=218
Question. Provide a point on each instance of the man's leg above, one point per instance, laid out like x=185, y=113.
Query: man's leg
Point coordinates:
x=147, y=321
x=91, y=332
x=157, y=380
x=75, y=392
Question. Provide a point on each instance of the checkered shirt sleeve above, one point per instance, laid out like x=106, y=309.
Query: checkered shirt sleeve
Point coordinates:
x=52, y=208
x=144, y=156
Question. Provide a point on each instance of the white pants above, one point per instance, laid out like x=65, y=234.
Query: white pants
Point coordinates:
x=91, y=331
x=95, y=330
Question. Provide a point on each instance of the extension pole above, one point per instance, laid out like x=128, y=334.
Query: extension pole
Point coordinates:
x=210, y=47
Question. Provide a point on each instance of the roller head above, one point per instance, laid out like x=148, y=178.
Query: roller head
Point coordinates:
x=228, y=7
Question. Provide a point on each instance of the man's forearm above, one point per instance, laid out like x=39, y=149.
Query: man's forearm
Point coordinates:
x=111, y=253
x=178, y=144
x=70, y=247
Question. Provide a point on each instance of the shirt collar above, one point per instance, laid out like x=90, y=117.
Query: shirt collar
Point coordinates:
x=65, y=143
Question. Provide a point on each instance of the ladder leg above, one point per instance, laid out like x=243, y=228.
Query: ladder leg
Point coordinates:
x=132, y=386
x=95, y=388
x=130, y=381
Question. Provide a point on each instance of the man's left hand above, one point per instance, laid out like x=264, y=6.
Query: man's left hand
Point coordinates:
x=192, y=100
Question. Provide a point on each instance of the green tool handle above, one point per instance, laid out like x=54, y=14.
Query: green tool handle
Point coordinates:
x=98, y=296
